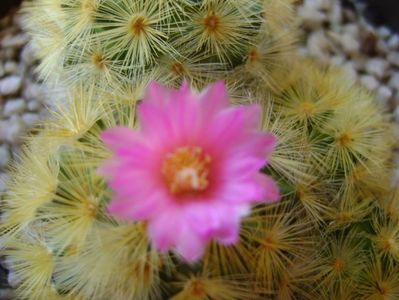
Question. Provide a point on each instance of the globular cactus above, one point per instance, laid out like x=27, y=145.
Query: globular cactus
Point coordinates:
x=335, y=229
x=99, y=42
x=333, y=235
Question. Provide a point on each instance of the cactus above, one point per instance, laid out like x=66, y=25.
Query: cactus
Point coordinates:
x=334, y=234
x=336, y=213
x=99, y=42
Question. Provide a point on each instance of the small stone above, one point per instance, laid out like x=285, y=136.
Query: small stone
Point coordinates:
x=337, y=60
x=352, y=29
x=14, y=130
x=14, y=41
x=311, y=19
x=315, y=5
x=10, y=67
x=33, y=91
x=28, y=55
x=13, y=279
x=3, y=128
x=5, y=156
x=359, y=63
x=349, y=44
x=14, y=106
x=3, y=182
x=394, y=81
x=377, y=67
x=393, y=42
x=382, y=47
x=30, y=119
x=33, y=105
x=350, y=71
x=335, y=15
x=393, y=58
x=384, y=32
x=384, y=93
x=370, y=82
x=318, y=45
x=10, y=85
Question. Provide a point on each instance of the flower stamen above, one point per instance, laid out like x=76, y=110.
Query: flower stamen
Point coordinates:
x=186, y=170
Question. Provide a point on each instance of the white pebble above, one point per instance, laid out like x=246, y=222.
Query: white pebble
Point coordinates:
x=384, y=32
x=335, y=14
x=377, y=67
x=3, y=130
x=394, y=81
x=5, y=155
x=28, y=55
x=14, y=130
x=393, y=58
x=337, y=60
x=13, y=279
x=311, y=19
x=384, y=93
x=393, y=42
x=10, y=85
x=30, y=119
x=350, y=71
x=352, y=29
x=33, y=105
x=10, y=67
x=315, y=5
x=382, y=46
x=33, y=91
x=350, y=44
x=14, y=41
x=369, y=82
x=14, y=106
x=318, y=45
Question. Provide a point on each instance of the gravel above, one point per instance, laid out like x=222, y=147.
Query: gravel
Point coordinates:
x=22, y=98
x=369, y=54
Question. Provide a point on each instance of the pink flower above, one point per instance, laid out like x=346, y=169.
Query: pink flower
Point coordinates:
x=192, y=168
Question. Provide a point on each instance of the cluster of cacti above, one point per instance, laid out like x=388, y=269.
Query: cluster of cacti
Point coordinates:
x=96, y=42
x=333, y=235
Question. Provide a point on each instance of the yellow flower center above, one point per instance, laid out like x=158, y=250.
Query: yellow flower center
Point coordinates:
x=186, y=170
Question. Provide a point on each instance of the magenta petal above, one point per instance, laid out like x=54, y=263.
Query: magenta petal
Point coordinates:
x=157, y=94
x=190, y=246
x=233, y=125
x=214, y=99
x=205, y=219
x=118, y=137
x=229, y=234
x=271, y=191
x=134, y=208
x=164, y=231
